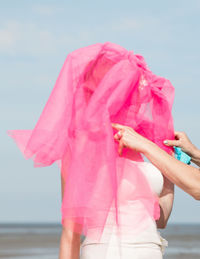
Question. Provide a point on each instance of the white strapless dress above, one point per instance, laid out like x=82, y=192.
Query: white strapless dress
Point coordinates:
x=146, y=244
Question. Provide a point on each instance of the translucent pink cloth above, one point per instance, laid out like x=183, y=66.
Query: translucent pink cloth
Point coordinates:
x=97, y=85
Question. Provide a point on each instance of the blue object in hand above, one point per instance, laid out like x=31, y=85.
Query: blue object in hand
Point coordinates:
x=182, y=156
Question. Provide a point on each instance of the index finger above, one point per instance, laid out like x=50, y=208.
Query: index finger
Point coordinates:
x=177, y=133
x=117, y=126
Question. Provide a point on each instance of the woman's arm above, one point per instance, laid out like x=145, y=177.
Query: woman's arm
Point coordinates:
x=185, y=176
x=166, y=203
x=69, y=241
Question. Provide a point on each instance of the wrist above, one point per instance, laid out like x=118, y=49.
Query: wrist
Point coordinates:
x=148, y=147
x=192, y=151
x=195, y=153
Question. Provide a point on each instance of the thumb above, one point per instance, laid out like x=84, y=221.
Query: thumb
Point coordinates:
x=171, y=143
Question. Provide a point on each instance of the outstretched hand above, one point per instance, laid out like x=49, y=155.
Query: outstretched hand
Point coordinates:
x=128, y=137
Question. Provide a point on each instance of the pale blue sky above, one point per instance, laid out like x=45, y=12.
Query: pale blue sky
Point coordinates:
x=35, y=38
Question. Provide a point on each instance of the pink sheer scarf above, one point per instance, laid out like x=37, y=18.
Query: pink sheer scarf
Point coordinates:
x=97, y=85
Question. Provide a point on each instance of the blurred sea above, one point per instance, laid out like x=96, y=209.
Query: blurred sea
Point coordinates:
x=41, y=241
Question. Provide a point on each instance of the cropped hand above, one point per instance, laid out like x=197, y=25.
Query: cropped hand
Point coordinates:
x=182, y=141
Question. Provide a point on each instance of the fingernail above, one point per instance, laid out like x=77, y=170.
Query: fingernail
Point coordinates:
x=165, y=142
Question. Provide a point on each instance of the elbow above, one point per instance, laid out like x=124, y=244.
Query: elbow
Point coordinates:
x=161, y=224
x=196, y=196
x=196, y=193
x=164, y=225
x=161, y=227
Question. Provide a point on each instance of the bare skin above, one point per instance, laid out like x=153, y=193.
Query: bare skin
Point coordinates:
x=69, y=241
x=182, y=141
x=185, y=176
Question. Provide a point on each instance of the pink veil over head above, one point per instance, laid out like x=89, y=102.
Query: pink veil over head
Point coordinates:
x=97, y=85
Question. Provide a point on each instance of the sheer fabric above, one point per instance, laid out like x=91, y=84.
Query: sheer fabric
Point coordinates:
x=97, y=85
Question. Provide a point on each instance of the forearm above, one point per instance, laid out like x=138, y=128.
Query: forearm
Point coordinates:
x=166, y=203
x=70, y=240
x=195, y=156
x=184, y=176
x=69, y=245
